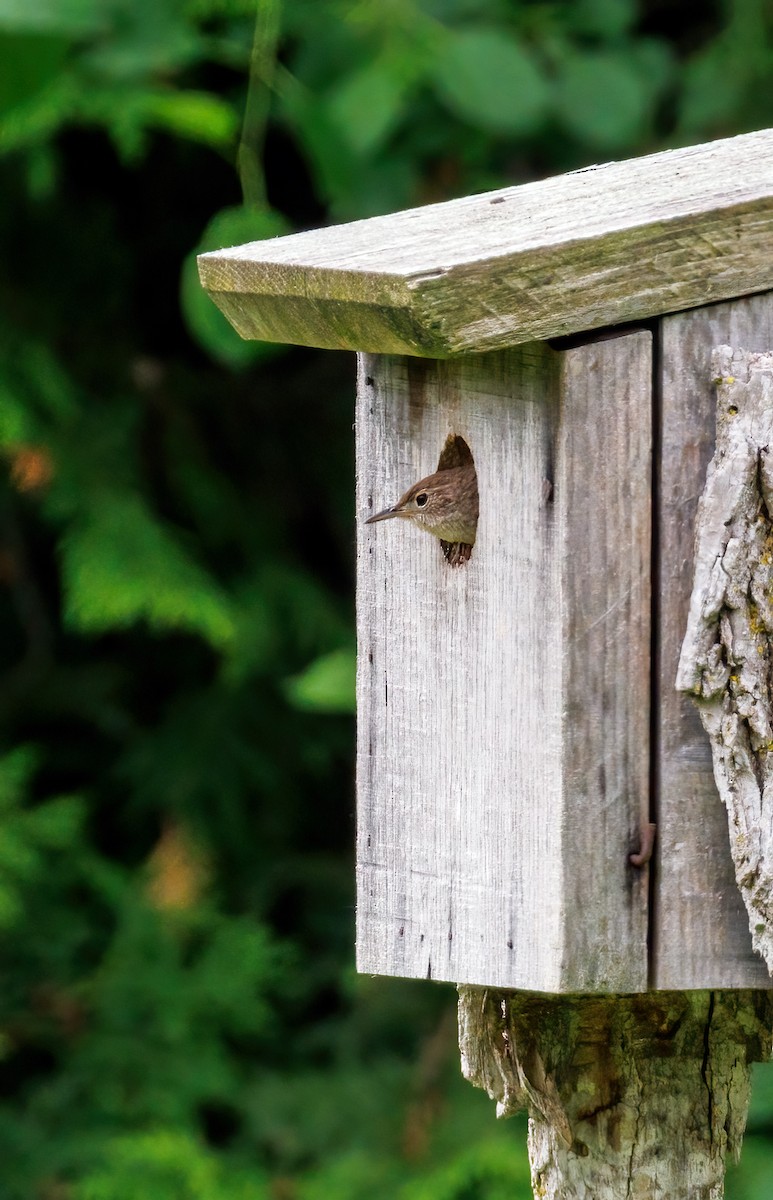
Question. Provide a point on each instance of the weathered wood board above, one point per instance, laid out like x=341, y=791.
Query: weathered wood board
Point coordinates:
x=503, y=740
x=601, y=246
x=701, y=935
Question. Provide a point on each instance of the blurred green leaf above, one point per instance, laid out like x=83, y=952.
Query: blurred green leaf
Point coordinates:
x=606, y=19
x=165, y=1164
x=654, y=60
x=27, y=64
x=38, y=114
x=602, y=98
x=16, y=768
x=488, y=78
x=16, y=423
x=195, y=115
x=367, y=105
x=714, y=85
x=229, y=227
x=147, y=38
x=334, y=162
x=256, y=640
x=350, y=1175
x=387, y=186
x=207, y=9
x=750, y=1178
x=489, y=1169
x=121, y=566
x=327, y=684
x=73, y=17
x=36, y=395
x=28, y=834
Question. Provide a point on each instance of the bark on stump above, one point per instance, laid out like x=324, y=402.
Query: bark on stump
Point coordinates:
x=727, y=656
x=628, y=1096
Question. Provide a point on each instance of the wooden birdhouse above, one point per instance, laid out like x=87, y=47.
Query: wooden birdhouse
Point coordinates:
x=520, y=732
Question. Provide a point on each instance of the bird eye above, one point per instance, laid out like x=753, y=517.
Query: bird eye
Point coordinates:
x=421, y=499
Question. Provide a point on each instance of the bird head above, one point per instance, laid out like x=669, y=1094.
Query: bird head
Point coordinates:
x=444, y=504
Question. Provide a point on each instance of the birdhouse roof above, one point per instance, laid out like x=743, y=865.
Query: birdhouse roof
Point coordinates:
x=608, y=244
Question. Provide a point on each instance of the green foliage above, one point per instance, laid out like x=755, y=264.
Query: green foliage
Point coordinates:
x=327, y=684
x=120, y=565
x=30, y=838
x=488, y=1172
x=750, y=1179
x=609, y=96
x=489, y=79
x=731, y=72
x=229, y=227
x=179, y=1016
x=166, y=1165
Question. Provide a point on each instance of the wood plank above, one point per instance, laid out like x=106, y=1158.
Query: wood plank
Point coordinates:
x=503, y=705
x=600, y=246
x=701, y=935
x=605, y=458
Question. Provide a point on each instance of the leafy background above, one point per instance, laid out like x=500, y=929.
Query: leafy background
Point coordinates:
x=179, y=1014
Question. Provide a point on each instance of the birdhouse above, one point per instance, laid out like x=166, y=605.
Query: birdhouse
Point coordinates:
x=522, y=744
x=518, y=724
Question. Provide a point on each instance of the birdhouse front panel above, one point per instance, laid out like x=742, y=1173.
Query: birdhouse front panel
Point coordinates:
x=503, y=744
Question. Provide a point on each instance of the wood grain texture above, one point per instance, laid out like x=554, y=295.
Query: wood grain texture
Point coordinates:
x=726, y=663
x=503, y=705
x=636, y=1096
x=600, y=246
x=701, y=937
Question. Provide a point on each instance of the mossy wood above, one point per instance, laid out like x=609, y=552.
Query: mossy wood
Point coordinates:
x=601, y=246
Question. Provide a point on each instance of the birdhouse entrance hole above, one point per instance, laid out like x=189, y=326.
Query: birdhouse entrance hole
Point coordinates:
x=457, y=456
x=445, y=503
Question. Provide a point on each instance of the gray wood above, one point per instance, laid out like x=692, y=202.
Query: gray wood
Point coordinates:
x=600, y=246
x=727, y=654
x=700, y=937
x=503, y=705
x=635, y=1096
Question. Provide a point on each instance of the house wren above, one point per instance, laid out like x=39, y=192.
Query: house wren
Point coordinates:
x=444, y=504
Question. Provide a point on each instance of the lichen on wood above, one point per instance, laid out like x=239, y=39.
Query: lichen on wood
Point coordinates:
x=726, y=662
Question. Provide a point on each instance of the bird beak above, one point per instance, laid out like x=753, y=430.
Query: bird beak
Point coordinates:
x=383, y=516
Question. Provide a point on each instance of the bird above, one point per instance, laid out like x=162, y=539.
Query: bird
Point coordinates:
x=445, y=503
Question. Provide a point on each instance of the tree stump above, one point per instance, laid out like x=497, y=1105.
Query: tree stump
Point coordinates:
x=628, y=1096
